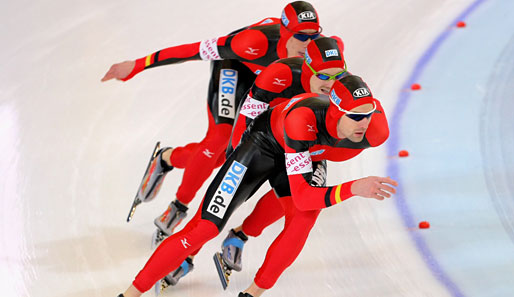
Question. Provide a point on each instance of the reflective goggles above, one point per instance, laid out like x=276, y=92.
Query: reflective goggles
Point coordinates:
x=358, y=116
x=324, y=76
x=305, y=36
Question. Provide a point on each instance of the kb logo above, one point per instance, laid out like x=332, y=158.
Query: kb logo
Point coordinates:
x=361, y=92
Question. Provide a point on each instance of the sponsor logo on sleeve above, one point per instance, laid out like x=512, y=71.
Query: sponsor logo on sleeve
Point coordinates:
x=333, y=97
x=209, y=50
x=227, y=93
x=361, y=92
x=318, y=152
x=331, y=53
x=258, y=72
x=298, y=163
x=226, y=190
x=306, y=16
x=251, y=108
x=285, y=20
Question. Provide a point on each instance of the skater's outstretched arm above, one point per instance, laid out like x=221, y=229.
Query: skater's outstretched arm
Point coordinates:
x=236, y=45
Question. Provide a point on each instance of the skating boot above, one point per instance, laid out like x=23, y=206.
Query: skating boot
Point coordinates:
x=167, y=222
x=241, y=294
x=230, y=258
x=152, y=179
x=173, y=278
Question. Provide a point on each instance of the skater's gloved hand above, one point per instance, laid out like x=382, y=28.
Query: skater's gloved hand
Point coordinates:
x=374, y=187
x=319, y=177
x=119, y=71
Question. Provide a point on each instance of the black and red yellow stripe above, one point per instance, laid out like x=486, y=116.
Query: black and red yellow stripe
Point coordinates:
x=151, y=59
x=338, y=194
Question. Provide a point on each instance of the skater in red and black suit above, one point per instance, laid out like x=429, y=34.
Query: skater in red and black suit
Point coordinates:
x=279, y=146
x=236, y=60
x=322, y=65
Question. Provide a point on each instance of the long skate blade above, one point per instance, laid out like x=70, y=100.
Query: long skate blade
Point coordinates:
x=223, y=273
x=137, y=201
x=133, y=209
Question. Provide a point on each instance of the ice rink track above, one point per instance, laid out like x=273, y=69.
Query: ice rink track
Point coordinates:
x=72, y=149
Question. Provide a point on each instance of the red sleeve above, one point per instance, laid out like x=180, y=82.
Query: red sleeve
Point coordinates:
x=170, y=55
x=300, y=130
x=246, y=45
x=307, y=197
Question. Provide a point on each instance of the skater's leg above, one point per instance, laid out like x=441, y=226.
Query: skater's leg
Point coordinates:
x=288, y=245
x=230, y=79
x=173, y=251
x=267, y=211
x=181, y=155
x=241, y=175
x=203, y=160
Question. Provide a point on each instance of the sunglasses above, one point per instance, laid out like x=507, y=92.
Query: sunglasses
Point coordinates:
x=324, y=76
x=358, y=116
x=306, y=36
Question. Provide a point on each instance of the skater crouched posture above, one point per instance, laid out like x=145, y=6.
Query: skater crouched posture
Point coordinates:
x=236, y=60
x=279, y=146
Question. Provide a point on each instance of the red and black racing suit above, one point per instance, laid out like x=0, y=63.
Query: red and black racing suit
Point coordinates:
x=279, y=146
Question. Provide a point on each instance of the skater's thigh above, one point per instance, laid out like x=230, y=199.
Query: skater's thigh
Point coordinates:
x=279, y=181
x=242, y=173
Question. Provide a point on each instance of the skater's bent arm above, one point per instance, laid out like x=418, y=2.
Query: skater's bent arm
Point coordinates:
x=297, y=141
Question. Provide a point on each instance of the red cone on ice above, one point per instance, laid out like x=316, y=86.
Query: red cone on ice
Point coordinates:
x=415, y=87
x=403, y=153
x=424, y=225
x=461, y=24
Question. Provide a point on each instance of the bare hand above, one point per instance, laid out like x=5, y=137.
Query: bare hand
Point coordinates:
x=374, y=187
x=120, y=70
